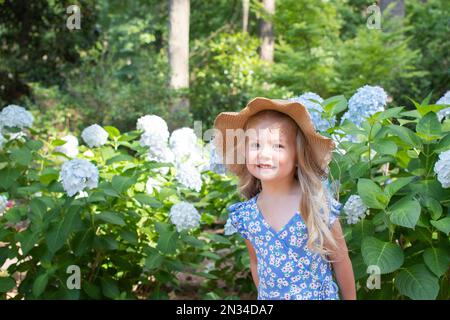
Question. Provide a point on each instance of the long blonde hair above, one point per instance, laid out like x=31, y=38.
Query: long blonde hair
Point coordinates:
x=310, y=176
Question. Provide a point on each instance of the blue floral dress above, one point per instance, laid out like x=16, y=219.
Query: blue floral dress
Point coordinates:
x=287, y=269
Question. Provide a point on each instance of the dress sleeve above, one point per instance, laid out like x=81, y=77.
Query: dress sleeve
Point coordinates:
x=334, y=205
x=236, y=219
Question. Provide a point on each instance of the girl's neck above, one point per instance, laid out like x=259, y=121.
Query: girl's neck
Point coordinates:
x=280, y=188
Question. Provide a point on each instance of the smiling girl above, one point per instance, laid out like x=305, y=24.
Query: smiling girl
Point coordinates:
x=289, y=220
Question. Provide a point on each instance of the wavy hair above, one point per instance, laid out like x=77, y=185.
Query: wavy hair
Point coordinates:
x=315, y=203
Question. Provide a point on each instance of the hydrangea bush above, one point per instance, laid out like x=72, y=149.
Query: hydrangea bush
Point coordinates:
x=137, y=212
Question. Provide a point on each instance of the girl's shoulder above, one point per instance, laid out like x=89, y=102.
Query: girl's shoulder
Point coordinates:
x=241, y=207
x=240, y=215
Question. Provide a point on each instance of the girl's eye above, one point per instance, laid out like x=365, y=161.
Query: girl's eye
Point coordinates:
x=254, y=144
x=279, y=145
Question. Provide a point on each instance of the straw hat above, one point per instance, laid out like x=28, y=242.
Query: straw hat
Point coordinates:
x=321, y=146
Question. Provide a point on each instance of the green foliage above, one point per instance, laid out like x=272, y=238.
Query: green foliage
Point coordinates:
x=119, y=236
x=430, y=29
x=382, y=57
x=405, y=233
x=227, y=72
x=37, y=46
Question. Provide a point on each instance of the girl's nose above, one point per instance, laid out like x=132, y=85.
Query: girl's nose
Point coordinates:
x=265, y=152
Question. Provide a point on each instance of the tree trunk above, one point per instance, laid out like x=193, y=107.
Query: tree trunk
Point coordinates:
x=245, y=9
x=179, y=11
x=397, y=10
x=266, y=32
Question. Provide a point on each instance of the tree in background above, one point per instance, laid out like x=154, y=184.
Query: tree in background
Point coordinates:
x=398, y=7
x=179, y=55
x=266, y=31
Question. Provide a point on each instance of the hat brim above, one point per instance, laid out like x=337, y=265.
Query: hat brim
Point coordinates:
x=321, y=146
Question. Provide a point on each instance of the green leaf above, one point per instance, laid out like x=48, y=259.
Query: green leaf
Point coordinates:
x=113, y=132
x=385, y=146
x=48, y=175
x=92, y=290
x=110, y=217
x=58, y=142
x=154, y=261
x=148, y=200
x=359, y=170
x=121, y=184
x=60, y=233
x=417, y=283
x=405, y=212
x=105, y=243
x=406, y=135
x=21, y=156
x=34, y=145
x=396, y=185
x=40, y=284
x=371, y=194
x=7, y=177
x=205, y=275
x=27, y=240
x=434, y=207
x=110, y=288
x=335, y=104
x=210, y=255
x=83, y=242
x=167, y=242
x=217, y=238
x=193, y=241
x=6, y=284
x=429, y=127
x=129, y=236
x=389, y=113
x=120, y=157
x=361, y=230
x=38, y=210
x=437, y=260
x=443, y=145
x=387, y=256
x=442, y=225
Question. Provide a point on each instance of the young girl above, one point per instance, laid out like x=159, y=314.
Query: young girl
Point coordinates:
x=289, y=221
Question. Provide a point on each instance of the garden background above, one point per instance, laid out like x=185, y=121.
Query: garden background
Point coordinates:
x=106, y=192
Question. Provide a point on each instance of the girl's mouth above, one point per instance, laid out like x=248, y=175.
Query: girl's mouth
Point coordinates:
x=265, y=166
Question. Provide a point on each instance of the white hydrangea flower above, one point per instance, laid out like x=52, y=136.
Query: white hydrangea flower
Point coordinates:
x=355, y=209
x=215, y=163
x=151, y=185
x=78, y=174
x=70, y=148
x=315, y=109
x=3, y=204
x=16, y=116
x=444, y=113
x=154, y=125
x=94, y=136
x=2, y=141
x=186, y=147
x=442, y=169
x=229, y=228
x=184, y=216
x=189, y=176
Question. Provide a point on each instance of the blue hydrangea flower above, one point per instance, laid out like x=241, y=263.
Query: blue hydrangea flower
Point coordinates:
x=444, y=113
x=367, y=101
x=312, y=102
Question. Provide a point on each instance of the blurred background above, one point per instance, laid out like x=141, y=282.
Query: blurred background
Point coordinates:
x=123, y=61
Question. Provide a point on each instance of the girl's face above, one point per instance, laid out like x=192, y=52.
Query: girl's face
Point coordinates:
x=270, y=151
